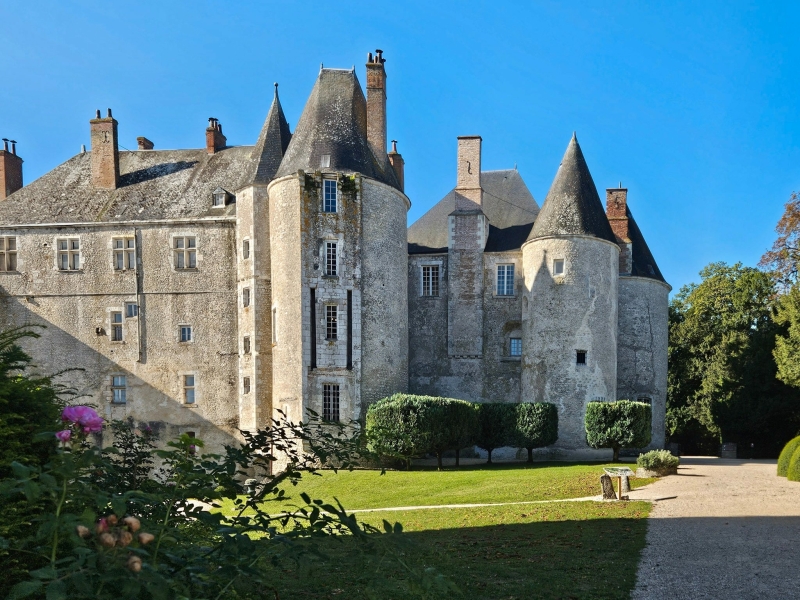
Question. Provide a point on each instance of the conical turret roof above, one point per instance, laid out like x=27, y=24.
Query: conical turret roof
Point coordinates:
x=271, y=145
x=572, y=206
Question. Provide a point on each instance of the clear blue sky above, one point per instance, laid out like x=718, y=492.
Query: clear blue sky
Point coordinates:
x=692, y=105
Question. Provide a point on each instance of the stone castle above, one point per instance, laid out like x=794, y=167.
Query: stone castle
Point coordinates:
x=203, y=290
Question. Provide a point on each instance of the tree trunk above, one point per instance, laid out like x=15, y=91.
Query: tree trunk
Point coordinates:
x=490, y=457
x=616, y=455
x=439, y=460
x=457, y=457
x=530, y=455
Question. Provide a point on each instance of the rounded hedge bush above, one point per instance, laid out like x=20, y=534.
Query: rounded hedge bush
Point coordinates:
x=497, y=425
x=793, y=471
x=535, y=426
x=660, y=461
x=786, y=455
x=620, y=424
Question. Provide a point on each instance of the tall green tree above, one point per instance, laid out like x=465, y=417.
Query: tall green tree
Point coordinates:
x=722, y=375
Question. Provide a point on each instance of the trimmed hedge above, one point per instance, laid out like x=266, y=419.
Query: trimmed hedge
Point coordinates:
x=535, y=426
x=620, y=424
x=793, y=471
x=786, y=456
x=497, y=423
x=658, y=460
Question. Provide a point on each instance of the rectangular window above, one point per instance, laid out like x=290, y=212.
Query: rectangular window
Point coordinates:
x=580, y=357
x=515, y=347
x=185, y=249
x=331, y=321
x=246, y=344
x=186, y=333
x=558, y=266
x=246, y=297
x=246, y=385
x=246, y=249
x=430, y=280
x=119, y=389
x=116, y=326
x=124, y=253
x=505, y=280
x=330, y=401
x=331, y=249
x=8, y=253
x=131, y=310
x=188, y=389
x=329, y=196
x=69, y=254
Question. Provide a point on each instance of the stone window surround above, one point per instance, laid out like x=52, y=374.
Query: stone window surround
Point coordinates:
x=173, y=251
x=112, y=312
x=115, y=385
x=496, y=288
x=247, y=346
x=70, y=252
x=246, y=297
x=182, y=388
x=327, y=245
x=6, y=253
x=191, y=333
x=431, y=263
x=331, y=324
x=246, y=387
x=246, y=248
x=334, y=391
x=554, y=267
x=332, y=201
x=125, y=250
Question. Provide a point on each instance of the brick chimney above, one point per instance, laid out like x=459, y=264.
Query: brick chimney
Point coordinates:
x=144, y=143
x=469, y=195
x=398, y=164
x=215, y=141
x=376, y=103
x=10, y=169
x=105, y=152
x=617, y=213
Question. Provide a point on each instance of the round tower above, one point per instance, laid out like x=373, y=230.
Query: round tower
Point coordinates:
x=569, y=327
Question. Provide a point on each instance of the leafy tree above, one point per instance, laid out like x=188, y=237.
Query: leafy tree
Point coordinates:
x=620, y=424
x=783, y=258
x=535, y=426
x=787, y=346
x=497, y=421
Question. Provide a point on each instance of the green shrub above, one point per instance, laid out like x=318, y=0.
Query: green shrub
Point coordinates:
x=786, y=455
x=535, y=426
x=465, y=425
x=793, y=471
x=658, y=460
x=620, y=424
x=497, y=425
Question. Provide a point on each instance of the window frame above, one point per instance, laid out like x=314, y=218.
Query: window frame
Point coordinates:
x=434, y=284
x=246, y=344
x=246, y=385
x=126, y=252
x=331, y=322
x=330, y=205
x=116, y=327
x=331, y=260
x=119, y=387
x=578, y=357
x=556, y=263
x=185, y=327
x=246, y=297
x=188, y=389
x=246, y=249
x=331, y=402
x=185, y=253
x=71, y=253
x=135, y=310
x=507, y=290
x=7, y=254
x=512, y=344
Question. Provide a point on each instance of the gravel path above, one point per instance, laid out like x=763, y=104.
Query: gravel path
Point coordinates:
x=721, y=529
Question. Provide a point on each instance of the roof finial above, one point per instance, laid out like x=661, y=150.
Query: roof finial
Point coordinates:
x=574, y=136
x=276, y=89
x=394, y=146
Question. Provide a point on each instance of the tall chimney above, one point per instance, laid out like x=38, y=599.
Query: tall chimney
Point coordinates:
x=469, y=195
x=376, y=103
x=105, y=152
x=10, y=169
x=617, y=213
x=215, y=141
x=398, y=164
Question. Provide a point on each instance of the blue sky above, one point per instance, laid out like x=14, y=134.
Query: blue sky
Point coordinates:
x=691, y=105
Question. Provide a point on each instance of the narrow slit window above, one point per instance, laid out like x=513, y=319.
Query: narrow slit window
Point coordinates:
x=246, y=297
x=515, y=347
x=185, y=252
x=246, y=344
x=331, y=321
x=116, y=326
x=331, y=256
x=330, y=401
x=119, y=387
x=186, y=333
x=430, y=280
x=274, y=325
x=246, y=249
x=580, y=357
x=246, y=385
x=505, y=280
x=189, y=389
x=558, y=266
x=8, y=253
x=330, y=197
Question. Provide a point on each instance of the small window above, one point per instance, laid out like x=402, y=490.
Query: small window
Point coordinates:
x=331, y=251
x=246, y=344
x=8, y=253
x=124, y=253
x=69, y=254
x=430, y=280
x=515, y=347
x=188, y=389
x=246, y=297
x=325, y=161
x=131, y=310
x=119, y=389
x=580, y=357
x=246, y=385
x=558, y=267
x=246, y=249
x=330, y=401
x=505, y=280
x=116, y=326
x=185, y=249
x=219, y=197
x=186, y=333
x=331, y=321
x=329, y=196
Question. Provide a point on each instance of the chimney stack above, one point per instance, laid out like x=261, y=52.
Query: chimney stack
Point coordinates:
x=376, y=103
x=105, y=152
x=617, y=213
x=215, y=141
x=398, y=164
x=144, y=143
x=10, y=169
x=469, y=195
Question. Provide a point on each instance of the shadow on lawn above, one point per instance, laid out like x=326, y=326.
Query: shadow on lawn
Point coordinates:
x=564, y=559
x=510, y=466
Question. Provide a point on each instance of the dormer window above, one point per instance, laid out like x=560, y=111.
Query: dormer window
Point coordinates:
x=219, y=198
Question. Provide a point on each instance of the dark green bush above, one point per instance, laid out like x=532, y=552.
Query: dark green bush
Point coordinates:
x=535, y=426
x=497, y=425
x=658, y=460
x=793, y=471
x=620, y=424
x=465, y=425
x=786, y=456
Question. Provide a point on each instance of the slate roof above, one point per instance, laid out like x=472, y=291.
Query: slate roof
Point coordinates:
x=154, y=185
x=334, y=124
x=507, y=203
x=271, y=145
x=572, y=206
x=644, y=265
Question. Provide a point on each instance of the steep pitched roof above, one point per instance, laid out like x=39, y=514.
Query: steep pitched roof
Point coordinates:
x=507, y=203
x=644, y=265
x=334, y=125
x=271, y=145
x=572, y=206
x=153, y=185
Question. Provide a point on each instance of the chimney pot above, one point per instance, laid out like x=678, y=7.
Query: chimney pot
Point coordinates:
x=398, y=165
x=97, y=114
x=10, y=169
x=5, y=144
x=13, y=147
x=109, y=114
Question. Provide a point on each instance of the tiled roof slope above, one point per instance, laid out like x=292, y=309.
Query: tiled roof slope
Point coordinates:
x=644, y=265
x=153, y=185
x=507, y=203
x=572, y=206
x=334, y=124
x=271, y=145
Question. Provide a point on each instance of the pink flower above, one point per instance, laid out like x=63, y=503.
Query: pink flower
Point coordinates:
x=63, y=436
x=84, y=416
